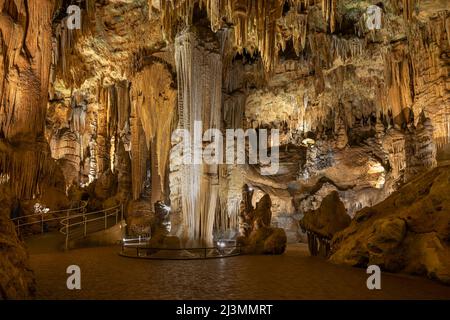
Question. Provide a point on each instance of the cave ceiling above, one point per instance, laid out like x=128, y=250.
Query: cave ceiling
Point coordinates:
x=360, y=111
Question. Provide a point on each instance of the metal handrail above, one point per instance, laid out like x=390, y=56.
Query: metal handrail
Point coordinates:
x=109, y=212
x=91, y=213
x=235, y=251
x=82, y=207
x=65, y=225
x=17, y=220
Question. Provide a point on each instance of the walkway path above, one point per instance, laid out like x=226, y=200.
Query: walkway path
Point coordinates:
x=294, y=275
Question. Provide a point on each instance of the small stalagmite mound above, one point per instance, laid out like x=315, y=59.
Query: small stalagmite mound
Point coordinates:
x=257, y=236
x=322, y=224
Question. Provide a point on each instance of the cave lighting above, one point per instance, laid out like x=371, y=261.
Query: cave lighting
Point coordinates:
x=375, y=168
x=308, y=142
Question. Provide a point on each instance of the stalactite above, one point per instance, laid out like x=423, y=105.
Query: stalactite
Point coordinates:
x=321, y=49
x=428, y=44
x=78, y=116
x=227, y=218
x=399, y=83
x=347, y=49
x=233, y=110
x=394, y=144
x=103, y=140
x=154, y=106
x=25, y=168
x=123, y=104
x=93, y=171
x=65, y=146
x=421, y=148
x=409, y=6
x=139, y=155
x=255, y=22
x=25, y=60
x=297, y=24
x=64, y=58
x=256, y=17
x=329, y=12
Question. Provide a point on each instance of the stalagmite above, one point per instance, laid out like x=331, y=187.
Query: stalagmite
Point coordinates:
x=394, y=143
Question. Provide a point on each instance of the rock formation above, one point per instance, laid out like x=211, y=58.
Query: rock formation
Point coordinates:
x=322, y=224
x=361, y=106
x=407, y=232
x=256, y=233
x=16, y=277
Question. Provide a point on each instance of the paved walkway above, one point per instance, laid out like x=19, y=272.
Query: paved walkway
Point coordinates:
x=294, y=275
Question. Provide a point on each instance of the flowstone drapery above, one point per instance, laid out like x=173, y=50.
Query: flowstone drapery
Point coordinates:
x=199, y=71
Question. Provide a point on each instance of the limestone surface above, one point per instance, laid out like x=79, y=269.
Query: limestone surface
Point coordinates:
x=408, y=232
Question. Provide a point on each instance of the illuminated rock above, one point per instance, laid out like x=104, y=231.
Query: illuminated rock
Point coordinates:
x=407, y=232
x=257, y=235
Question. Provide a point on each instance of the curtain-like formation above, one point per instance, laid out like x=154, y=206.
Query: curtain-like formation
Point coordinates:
x=400, y=97
x=257, y=24
x=255, y=21
x=25, y=57
x=139, y=155
x=428, y=48
x=154, y=110
x=199, y=71
x=329, y=12
x=408, y=8
x=104, y=123
x=65, y=58
x=297, y=25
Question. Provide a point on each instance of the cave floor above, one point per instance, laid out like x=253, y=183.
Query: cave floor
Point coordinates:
x=294, y=275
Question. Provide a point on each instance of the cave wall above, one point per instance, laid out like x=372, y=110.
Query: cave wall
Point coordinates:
x=25, y=61
x=360, y=111
x=25, y=161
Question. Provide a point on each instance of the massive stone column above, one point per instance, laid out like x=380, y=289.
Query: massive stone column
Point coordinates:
x=199, y=70
x=25, y=42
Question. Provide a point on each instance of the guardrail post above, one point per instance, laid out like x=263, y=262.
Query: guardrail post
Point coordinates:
x=121, y=211
x=85, y=225
x=117, y=215
x=67, y=230
x=106, y=221
x=42, y=223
